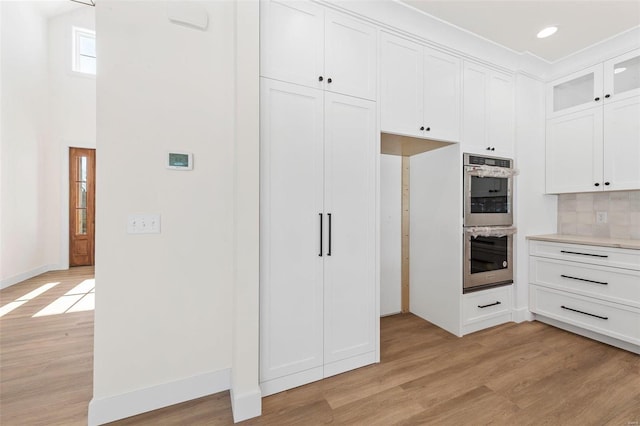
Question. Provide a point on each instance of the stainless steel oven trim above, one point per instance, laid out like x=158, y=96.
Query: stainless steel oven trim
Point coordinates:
x=486, y=279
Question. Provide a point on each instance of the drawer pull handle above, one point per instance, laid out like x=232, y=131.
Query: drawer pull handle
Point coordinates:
x=583, y=279
x=490, y=304
x=584, y=254
x=584, y=313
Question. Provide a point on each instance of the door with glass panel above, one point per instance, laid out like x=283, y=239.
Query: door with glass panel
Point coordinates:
x=82, y=167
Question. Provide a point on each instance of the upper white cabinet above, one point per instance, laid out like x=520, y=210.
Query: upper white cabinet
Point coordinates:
x=613, y=80
x=593, y=142
x=420, y=90
x=488, y=115
x=302, y=43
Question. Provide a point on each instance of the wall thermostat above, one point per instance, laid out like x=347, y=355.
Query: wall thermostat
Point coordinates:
x=179, y=160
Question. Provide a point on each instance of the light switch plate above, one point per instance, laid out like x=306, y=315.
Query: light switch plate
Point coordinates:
x=143, y=224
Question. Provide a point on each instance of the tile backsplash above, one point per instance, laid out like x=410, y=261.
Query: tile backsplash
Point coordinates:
x=577, y=214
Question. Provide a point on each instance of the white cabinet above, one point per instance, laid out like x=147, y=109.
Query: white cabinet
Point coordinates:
x=420, y=90
x=611, y=81
x=574, y=152
x=486, y=308
x=488, y=116
x=621, y=144
x=317, y=222
x=303, y=43
x=591, y=290
x=593, y=128
x=595, y=149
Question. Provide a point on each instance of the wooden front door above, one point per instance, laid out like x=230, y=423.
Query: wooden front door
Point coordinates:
x=82, y=187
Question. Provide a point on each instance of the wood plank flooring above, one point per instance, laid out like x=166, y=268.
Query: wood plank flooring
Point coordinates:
x=514, y=374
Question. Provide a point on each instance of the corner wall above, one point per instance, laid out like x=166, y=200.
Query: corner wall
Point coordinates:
x=175, y=311
x=535, y=212
x=23, y=137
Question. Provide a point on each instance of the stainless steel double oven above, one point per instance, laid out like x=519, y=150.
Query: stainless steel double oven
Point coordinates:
x=488, y=222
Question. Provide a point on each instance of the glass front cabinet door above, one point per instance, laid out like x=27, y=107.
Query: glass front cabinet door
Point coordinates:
x=622, y=77
x=613, y=80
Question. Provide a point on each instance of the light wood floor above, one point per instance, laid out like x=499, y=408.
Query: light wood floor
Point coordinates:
x=515, y=374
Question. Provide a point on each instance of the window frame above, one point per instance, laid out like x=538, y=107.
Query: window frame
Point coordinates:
x=76, y=34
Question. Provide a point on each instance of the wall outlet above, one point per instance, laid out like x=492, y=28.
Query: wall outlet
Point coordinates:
x=601, y=217
x=143, y=224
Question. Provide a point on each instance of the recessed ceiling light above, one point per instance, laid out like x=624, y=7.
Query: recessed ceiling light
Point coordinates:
x=619, y=70
x=547, y=32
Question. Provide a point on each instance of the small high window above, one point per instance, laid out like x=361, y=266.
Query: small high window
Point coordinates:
x=84, y=51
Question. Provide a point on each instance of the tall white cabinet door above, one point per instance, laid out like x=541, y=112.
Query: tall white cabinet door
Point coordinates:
x=500, y=105
x=292, y=41
x=401, y=86
x=291, y=190
x=474, y=94
x=350, y=268
x=441, y=95
x=350, y=56
x=622, y=144
x=574, y=152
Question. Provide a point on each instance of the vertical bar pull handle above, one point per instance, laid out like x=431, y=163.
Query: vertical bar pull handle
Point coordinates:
x=329, y=252
x=320, y=254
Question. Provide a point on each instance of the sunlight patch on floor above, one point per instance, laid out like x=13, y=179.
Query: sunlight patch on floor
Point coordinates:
x=24, y=299
x=80, y=298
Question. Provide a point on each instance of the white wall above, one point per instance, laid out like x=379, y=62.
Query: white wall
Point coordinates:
x=24, y=134
x=167, y=320
x=535, y=212
x=390, y=234
x=72, y=112
x=435, y=231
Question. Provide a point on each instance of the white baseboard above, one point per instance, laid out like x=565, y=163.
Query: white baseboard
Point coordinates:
x=109, y=409
x=522, y=315
x=8, y=282
x=246, y=405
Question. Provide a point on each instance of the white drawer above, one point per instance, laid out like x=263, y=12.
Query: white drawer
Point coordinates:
x=486, y=304
x=618, y=321
x=612, y=284
x=595, y=255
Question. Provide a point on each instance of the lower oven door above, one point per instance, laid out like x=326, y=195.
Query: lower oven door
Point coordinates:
x=487, y=261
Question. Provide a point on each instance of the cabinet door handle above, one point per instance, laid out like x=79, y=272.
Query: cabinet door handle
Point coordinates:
x=597, y=99
x=584, y=313
x=320, y=78
x=320, y=254
x=607, y=183
x=428, y=129
x=490, y=304
x=583, y=279
x=584, y=254
x=607, y=96
x=596, y=184
x=329, y=252
x=422, y=128
x=329, y=80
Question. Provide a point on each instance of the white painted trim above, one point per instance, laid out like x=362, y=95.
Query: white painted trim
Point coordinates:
x=291, y=381
x=487, y=323
x=246, y=405
x=349, y=364
x=522, y=315
x=588, y=333
x=109, y=409
x=8, y=282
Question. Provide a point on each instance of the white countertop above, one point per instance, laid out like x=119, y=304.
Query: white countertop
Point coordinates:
x=592, y=241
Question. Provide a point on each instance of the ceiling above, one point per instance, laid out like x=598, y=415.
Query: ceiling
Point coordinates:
x=515, y=23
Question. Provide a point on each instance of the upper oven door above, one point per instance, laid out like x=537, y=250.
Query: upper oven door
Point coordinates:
x=487, y=200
